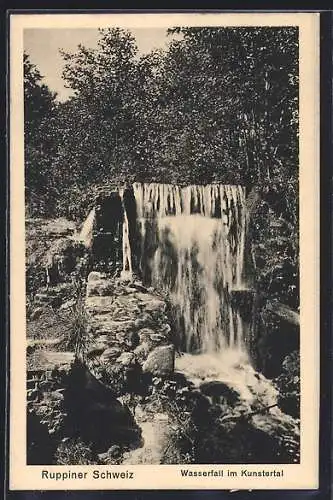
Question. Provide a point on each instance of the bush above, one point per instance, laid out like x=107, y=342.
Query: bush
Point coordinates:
x=77, y=333
x=74, y=452
x=288, y=384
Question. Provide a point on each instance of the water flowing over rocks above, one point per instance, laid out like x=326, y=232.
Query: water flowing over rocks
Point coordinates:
x=165, y=371
x=192, y=246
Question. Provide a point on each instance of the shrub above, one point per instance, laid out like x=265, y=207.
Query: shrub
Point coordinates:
x=74, y=452
x=288, y=384
x=77, y=334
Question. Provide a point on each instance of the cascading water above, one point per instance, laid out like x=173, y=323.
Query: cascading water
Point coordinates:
x=192, y=246
x=190, y=243
x=198, y=236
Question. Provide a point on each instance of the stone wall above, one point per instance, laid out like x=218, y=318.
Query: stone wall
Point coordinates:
x=129, y=333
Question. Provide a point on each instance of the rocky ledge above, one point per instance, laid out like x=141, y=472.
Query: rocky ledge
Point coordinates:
x=128, y=333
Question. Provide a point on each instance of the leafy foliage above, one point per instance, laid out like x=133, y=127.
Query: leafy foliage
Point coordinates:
x=219, y=105
x=74, y=452
x=39, y=140
x=288, y=384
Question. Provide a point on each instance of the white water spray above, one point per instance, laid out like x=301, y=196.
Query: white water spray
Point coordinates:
x=199, y=233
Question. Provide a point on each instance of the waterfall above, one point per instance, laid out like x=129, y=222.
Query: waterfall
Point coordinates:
x=86, y=233
x=192, y=246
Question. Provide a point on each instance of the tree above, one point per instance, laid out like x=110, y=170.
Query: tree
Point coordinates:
x=39, y=139
x=98, y=121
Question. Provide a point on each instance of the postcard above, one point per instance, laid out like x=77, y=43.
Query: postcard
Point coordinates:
x=164, y=262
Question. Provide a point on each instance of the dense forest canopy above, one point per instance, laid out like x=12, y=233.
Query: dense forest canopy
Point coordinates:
x=218, y=105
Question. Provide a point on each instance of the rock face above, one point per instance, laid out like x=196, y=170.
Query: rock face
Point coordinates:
x=160, y=361
x=129, y=332
x=100, y=418
x=65, y=400
x=65, y=256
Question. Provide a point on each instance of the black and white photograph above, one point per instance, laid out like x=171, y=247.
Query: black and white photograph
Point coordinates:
x=162, y=244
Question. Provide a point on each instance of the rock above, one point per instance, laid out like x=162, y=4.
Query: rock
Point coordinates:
x=99, y=285
x=68, y=304
x=99, y=305
x=110, y=354
x=114, y=451
x=33, y=343
x=160, y=361
x=102, y=338
x=145, y=334
x=36, y=313
x=165, y=329
x=215, y=388
x=128, y=338
x=126, y=359
x=53, y=360
x=128, y=302
x=105, y=324
x=144, y=320
x=43, y=297
x=96, y=350
x=56, y=396
x=161, y=417
x=151, y=302
x=158, y=338
x=141, y=352
x=94, y=277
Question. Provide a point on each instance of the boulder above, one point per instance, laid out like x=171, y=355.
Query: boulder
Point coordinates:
x=53, y=360
x=96, y=350
x=110, y=354
x=160, y=361
x=158, y=338
x=216, y=388
x=165, y=329
x=68, y=304
x=95, y=277
x=126, y=359
x=141, y=352
x=101, y=288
